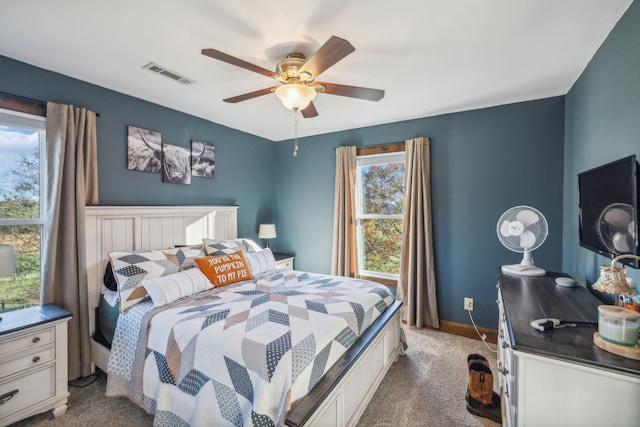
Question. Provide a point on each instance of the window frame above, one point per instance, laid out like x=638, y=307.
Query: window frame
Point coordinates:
x=372, y=158
x=18, y=119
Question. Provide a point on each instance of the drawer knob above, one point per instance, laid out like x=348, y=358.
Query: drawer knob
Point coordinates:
x=36, y=340
x=7, y=396
x=36, y=359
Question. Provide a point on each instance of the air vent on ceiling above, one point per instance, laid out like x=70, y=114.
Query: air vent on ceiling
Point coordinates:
x=167, y=73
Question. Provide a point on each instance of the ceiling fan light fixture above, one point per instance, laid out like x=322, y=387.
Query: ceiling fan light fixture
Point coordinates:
x=295, y=96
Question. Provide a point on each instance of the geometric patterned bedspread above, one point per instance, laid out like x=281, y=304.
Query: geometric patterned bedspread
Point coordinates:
x=241, y=354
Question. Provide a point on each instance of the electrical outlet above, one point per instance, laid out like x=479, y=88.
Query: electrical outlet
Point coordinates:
x=468, y=304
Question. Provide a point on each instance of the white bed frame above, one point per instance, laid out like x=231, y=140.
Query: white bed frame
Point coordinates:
x=344, y=392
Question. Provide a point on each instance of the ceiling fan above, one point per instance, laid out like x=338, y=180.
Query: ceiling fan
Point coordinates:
x=297, y=77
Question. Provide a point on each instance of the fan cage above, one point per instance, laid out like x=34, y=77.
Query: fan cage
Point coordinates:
x=539, y=229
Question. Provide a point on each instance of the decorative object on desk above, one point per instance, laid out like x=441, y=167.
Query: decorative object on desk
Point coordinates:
x=618, y=325
x=522, y=229
x=567, y=282
x=613, y=279
x=266, y=232
x=618, y=331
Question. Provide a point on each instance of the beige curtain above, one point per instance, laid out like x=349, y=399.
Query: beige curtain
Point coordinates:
x=343, y=257
x=417, y=284
x=71, y=182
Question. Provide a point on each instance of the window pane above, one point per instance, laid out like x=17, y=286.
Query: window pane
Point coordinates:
x=20, y=172
x=382, y=239
x=19, y=288
x=383, y=189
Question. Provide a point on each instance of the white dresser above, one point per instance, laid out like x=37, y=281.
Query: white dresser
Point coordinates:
x=33, y=362
x=559, y=377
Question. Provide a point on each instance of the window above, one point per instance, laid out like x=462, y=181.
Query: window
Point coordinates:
x=22, y=139
x=379, y=206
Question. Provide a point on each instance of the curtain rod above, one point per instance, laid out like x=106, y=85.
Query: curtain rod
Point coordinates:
x=21, y=99
x=375, y=146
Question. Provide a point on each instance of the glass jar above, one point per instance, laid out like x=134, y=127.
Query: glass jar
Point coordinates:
x=618, y=325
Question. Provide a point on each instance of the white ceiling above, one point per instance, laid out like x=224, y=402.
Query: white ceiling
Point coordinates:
x=430, y=56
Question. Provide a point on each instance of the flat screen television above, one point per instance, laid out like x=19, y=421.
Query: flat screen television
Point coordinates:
x=608, y=206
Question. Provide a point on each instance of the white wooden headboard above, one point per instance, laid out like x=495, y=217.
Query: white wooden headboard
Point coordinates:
x=133, y=228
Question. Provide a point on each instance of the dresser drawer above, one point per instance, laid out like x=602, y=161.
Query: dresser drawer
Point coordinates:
x=33, y=357
x=34, y=387
x=26, y=341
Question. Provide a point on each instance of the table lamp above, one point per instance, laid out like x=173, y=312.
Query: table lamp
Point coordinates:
x=266, y=232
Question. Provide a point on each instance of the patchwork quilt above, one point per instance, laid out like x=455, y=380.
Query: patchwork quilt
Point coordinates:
x=242, y=354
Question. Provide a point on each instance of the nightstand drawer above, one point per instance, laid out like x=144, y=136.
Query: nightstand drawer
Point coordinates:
x=285, y=263
x=32, y=358
x=26, y=341
x=34, y=387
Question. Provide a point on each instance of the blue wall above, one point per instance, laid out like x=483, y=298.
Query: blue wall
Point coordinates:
x=602, y=112
x=483, y=162
x=240, y=157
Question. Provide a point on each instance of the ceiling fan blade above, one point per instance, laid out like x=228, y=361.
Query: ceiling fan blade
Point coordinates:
x=221, y=56
x=332, y=51
x=250, y=95
x=353, y=91
x=310, y=111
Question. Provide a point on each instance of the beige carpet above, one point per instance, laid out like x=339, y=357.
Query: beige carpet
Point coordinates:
x=426, y=387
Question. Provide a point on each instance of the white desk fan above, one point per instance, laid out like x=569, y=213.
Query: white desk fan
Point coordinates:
x=522, y=229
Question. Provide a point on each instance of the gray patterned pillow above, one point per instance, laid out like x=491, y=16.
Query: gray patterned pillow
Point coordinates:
x=249, y=245
x=222, y=247
x=131, y=268
x=183, y=256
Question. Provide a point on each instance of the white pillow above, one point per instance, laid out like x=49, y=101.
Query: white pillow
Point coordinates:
x=261, y=261
x=166, y=289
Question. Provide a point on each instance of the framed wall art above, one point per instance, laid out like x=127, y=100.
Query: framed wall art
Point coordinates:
x=144, y=150
x=203, y=158
x=176, y=164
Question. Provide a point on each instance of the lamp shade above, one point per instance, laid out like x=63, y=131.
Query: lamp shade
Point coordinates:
x=267, y=231
x=7, y=260
x=295, y=96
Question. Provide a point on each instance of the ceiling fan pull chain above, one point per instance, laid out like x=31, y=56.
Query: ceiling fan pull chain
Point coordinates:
x=295, y=132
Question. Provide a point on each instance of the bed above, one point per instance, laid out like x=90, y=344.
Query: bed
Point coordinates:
x=336, y=394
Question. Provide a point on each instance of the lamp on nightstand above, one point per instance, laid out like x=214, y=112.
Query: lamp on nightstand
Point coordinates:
x=266, y=232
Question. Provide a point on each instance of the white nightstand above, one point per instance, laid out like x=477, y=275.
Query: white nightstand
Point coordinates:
x=33, y=362
x=284, y=260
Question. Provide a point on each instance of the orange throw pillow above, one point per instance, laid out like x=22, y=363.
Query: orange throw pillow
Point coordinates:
x=225, y=269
